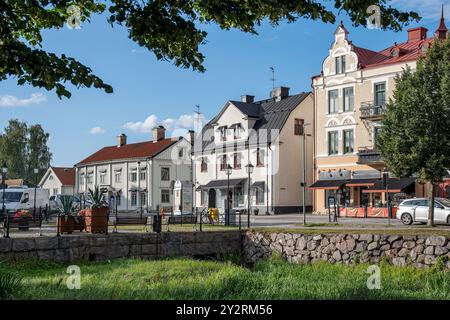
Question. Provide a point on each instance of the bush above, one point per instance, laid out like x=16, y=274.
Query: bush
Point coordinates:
x=10, y=284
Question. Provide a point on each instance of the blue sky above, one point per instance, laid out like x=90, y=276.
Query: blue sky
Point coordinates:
x=148, y=92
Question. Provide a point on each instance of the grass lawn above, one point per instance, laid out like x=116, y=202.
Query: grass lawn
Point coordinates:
x=193, y=279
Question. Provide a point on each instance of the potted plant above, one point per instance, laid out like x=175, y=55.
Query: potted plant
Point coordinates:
x=66, y=218
x=22, y=217
x=96, y=218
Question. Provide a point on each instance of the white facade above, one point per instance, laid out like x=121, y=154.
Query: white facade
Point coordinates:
x=53, y=183
x=144, y=182
x=277, y=160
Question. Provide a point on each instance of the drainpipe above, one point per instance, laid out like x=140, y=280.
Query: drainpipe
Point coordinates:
x=267, y=180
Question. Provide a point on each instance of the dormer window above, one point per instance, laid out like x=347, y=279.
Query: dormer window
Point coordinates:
x=394, y=53
x=340, y=64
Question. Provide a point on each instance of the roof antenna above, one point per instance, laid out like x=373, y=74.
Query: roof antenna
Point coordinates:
x=273, y=77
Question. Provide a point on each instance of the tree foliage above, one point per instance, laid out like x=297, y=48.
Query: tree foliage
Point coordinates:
x=415, y=139
x=24, y=148
x=171, y=29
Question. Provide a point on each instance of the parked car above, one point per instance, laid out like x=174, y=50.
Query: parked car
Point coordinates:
x=23, y=198
x=55, y=202
x=416, y=210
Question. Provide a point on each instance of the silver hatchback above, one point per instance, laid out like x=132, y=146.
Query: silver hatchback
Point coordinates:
x=416, y=210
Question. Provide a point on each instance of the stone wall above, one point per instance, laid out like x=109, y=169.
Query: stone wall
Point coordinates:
x=102, y=247
x=420, y=251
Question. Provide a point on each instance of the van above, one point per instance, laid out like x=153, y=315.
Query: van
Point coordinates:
x=22, y=198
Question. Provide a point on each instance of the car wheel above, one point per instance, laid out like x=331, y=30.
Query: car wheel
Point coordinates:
x=407, y=219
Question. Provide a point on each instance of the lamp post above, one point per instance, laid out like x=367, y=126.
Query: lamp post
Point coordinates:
x=385, y=185
x=249, y=169
x=4, y=172
x=228, y=172
x=35, y=171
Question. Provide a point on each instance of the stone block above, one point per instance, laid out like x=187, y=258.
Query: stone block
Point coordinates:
x=46, y=243
x=436, y=241
x=23, y=244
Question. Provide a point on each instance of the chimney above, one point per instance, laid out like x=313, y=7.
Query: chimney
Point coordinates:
x=121, y=140
x=417, y=34
x=192, y=136
x=247, y=98
x=159, y=133
x=279, y=93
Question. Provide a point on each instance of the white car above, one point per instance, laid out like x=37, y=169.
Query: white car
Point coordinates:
x=416, y=210
x=18, y=198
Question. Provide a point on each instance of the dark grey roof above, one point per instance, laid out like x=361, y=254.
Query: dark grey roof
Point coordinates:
x=270, y=114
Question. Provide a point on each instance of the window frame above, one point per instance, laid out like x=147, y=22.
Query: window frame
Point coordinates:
x=164, y=193
x=345, y=140
x=376, y=92
x=351, y=99
x=299, y=127
x=329, y=134
x=163, y=178
x=336, y=101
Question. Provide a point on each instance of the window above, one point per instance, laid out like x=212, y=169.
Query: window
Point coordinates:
x=333, y=106
x=165, y=174
x=333, y=142
x=133, y=176
x=204, y=197
x=55, y=191
x=134, y=198
x=348, y=141
x=376, y=132
x=237, y=131
x=204, y=165
x=118, y=200
x=89, y=177
x=50, y=178
x=165, y=196
x=82, y=179
x=223, y=133
x=143, y=198
x=118, y=176
x=237, y=160
x=380, y=93
x=259, y=158
x=298, y=127
x=103, y=177
x=349, y=98
x=180, y=152
x=223, y=162
x=143, y=174
x=259, y=195
x=340, y=64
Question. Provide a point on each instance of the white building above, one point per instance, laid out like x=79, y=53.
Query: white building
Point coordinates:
x=266, y=134
x=139, y=175
x=59, y=180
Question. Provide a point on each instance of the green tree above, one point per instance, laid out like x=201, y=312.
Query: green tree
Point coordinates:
x=415, y=139
x=24, y=148
x=171, y=29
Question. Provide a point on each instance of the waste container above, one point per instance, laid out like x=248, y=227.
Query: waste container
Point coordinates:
x=157, y=223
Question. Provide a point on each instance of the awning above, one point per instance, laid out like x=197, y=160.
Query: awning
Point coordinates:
x=394, y=185
x=223, y=184
x=328, y=184
x=258, y=184
x=361, y=182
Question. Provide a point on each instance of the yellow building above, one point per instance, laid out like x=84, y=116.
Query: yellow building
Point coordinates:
x=350, y=100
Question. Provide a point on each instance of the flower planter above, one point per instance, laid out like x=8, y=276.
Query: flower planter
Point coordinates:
x=96, y=220
x=23, y=225
x=65, y=224
x=78, y=224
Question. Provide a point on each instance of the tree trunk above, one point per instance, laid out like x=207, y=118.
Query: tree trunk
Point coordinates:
x=431, y=208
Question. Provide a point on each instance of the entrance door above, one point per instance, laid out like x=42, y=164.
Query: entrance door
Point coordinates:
x=212, y=198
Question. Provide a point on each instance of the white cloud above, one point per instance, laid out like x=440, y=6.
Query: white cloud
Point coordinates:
x=183, y=122
x=97, y=130
x=12, y=101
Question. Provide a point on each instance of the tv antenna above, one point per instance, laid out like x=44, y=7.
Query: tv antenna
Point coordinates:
x=273, y=77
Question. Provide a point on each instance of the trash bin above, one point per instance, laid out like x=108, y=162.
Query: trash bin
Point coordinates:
x=256, y=211
x=157, y=224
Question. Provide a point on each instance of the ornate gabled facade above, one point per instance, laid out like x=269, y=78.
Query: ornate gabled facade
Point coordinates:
x=350, y=100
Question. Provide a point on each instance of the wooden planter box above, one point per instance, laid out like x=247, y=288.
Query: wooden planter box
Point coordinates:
x=65, y=225
x=96, y=220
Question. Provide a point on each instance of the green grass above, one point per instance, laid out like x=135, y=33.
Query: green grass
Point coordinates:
x=192, y=279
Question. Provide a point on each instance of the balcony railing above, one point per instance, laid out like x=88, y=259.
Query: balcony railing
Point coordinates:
x=369, y=155
x=371, y=111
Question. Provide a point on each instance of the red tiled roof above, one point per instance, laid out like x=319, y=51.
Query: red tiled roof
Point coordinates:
x=132, y=150
x=65, y=175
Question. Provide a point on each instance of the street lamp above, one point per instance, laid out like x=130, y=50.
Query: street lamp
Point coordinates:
x=4, y=172
x=35, y=171
x=228, y=172
x=385, y=185
x=249, y=170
